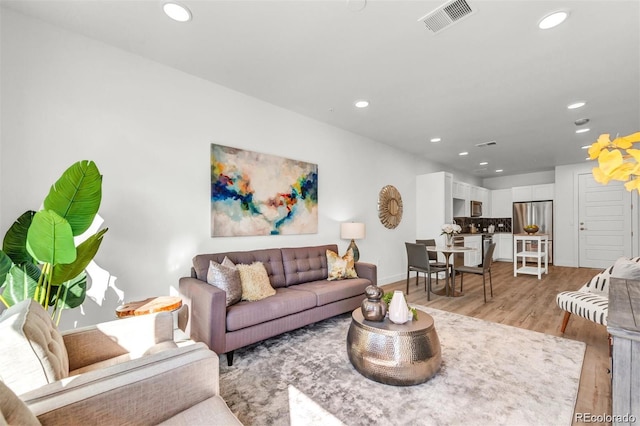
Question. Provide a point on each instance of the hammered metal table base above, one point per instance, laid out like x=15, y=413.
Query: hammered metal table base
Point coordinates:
x=394, y=354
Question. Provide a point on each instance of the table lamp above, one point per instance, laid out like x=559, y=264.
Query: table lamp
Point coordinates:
x=352, y=231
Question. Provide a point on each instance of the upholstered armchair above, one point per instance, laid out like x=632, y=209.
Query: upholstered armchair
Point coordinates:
x=591, y=301
x=34, y=353
x=127, y=371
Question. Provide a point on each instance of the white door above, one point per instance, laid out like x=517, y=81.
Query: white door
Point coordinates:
x=604, y=222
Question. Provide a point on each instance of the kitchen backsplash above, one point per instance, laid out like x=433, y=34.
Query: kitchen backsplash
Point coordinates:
x=482, y=223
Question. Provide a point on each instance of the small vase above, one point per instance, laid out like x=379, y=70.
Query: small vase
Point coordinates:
x=448, y=240
x=398, y=310
x=373, y=308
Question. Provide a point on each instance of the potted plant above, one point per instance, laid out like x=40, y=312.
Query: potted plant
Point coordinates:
x=39, y=257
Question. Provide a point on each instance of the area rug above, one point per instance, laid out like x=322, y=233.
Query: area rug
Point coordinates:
x=491, y=374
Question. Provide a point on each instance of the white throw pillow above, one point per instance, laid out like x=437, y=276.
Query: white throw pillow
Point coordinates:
x=626, y=268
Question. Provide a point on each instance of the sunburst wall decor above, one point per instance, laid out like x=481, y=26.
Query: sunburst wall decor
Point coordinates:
x=390, y=206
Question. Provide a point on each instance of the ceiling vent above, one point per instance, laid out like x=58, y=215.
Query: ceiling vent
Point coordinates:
x=483, y=144
x=447, y=15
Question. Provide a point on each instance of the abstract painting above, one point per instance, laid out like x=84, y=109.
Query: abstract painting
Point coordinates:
x=261, y=194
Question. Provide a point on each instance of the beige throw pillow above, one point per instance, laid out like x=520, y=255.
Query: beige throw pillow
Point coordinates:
x=226, y=277
x=255, y=282
x=32, y=351
x=340, y=267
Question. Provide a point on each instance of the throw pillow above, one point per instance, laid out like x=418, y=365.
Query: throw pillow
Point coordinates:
x=32, y=347
x=340, y=267
x=255, y=282
x=625, y=268
x=226, y=277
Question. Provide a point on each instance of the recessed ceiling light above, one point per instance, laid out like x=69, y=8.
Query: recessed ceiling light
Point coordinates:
x=499, y=171
x=362, y=104
x=436, y=140
x=582, y=130
x=576, y=105
x=484, y=163
x=585, y=147
x=177, y=12
x=463, y=153
x=553, y=20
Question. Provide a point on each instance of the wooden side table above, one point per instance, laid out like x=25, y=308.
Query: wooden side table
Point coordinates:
x=149, y=306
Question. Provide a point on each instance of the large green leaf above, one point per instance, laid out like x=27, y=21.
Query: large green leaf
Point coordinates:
x=72, y=293
x=5, y=266
x=19, y=286
x=76, y=195
x=85, y=253
x=50, y=239
x=15, y=240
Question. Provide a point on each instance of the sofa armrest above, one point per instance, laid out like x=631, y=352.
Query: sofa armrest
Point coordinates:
x=207, y=313
x=147, y=390
x=368, y=271
x=133, y=336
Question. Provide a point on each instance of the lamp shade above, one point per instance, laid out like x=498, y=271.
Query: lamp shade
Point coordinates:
x=352, y=231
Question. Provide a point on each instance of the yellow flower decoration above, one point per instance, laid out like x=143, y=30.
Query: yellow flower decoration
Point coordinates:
x=617, y=160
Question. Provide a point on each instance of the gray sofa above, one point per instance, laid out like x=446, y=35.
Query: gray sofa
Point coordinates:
x=303, y=296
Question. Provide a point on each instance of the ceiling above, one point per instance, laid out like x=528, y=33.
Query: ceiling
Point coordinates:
x=492, y=76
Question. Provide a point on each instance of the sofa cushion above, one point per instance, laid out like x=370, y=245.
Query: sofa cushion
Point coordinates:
x=285, y=302
x=340, y=267
x=270, y=258
x=226, y=277
x=210, y=411
x=329, y=291
x=306, y=264
x=32, y=346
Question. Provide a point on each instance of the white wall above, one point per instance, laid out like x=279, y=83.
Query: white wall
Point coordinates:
x=504, y=182
x=149, y=128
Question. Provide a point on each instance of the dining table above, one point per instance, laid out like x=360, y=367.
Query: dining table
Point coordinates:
x=449, y=287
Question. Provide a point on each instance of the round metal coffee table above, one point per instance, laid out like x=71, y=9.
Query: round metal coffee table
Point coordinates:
x=394, y=354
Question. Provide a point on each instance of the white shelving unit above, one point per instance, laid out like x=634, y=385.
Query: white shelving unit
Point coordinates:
x=520, y=254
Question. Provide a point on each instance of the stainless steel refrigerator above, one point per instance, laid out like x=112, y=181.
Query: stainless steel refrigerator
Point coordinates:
x=534, y=213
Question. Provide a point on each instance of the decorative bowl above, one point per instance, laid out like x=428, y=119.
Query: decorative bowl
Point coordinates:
x=531, y=229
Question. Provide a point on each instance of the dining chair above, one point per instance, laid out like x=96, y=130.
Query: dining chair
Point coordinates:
x=479, y=270
x=418, y=261
x=433, y=256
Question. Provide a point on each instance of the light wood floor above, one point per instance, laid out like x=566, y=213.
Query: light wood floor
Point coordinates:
x=529, y=303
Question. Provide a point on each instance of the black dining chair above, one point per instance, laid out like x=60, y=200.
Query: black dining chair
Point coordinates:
x=433, y=256
x=479, y=270
x=418, y=261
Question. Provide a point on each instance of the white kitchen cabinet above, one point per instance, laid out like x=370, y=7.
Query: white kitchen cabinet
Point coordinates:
x=478, y=194
x=542, y=192
x=473, y=257
x=501, y=203
x=434, y=203
x=504, y=247
x=461, y=190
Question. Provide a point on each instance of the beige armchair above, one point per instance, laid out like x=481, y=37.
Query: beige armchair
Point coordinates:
x=127, y=371
x=175, y=387
x=38, y=354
